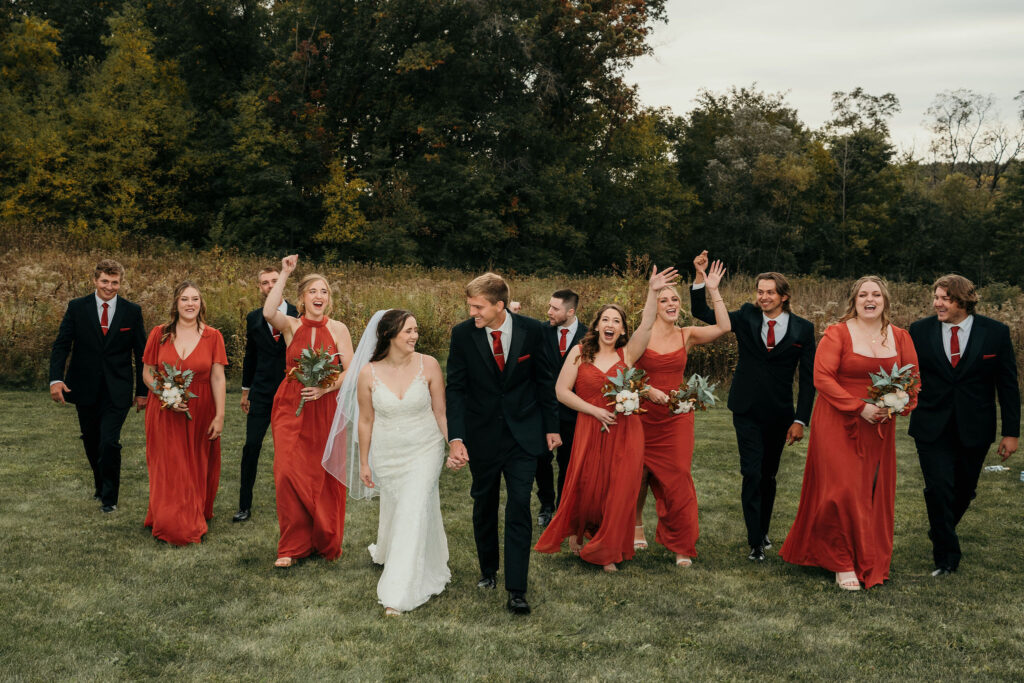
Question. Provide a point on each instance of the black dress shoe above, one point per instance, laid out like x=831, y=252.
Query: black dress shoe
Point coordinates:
x=486, y=582
x=517, y=604
x=108, y=508
x=942, y=571
x=766, y=543
x=241, y=516
x=544, y=518
x=756, y=554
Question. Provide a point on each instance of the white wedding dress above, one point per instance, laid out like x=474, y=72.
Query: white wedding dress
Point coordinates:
x=406, y=453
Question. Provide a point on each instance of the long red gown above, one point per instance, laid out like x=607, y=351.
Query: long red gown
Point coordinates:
x=845, y=518
x=183, y=464
x=310, y=502
x=668, y=455
x=603, y=482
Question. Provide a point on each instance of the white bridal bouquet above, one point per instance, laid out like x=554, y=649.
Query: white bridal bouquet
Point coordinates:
x=696, y=394
x=171, y=387
x=625, y=391
x=893, y=390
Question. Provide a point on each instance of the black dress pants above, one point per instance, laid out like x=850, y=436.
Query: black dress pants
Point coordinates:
x=760, y=441
x=256, y=425
x=100, y=424
x=951, y=472
x=488, y=463
x=545, y=472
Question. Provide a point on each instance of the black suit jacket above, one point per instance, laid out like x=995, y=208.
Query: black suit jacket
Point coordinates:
x=763, y=380
x=264, y=362
x=986, y=369
x=478, y=395
x=565, y=413
x=98, y=358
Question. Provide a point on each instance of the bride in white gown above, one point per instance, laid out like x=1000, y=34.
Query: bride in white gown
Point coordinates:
x=401, y=431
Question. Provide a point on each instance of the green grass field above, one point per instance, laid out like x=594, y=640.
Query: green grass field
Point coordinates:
x=93, y=596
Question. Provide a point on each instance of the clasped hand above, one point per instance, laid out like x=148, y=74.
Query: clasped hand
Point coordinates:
x=873, y=414
x=312, y=393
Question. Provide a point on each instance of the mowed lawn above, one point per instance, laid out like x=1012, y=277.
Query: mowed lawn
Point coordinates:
x=93, y=596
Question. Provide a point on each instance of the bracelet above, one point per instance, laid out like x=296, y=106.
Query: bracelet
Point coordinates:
x=715, y=301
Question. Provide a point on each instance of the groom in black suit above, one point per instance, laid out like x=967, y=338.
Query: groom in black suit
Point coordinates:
x=772, y=343
x=262, y=372
x=562, y=332
x=101, y=332
x=502, y=415
x=965, y=359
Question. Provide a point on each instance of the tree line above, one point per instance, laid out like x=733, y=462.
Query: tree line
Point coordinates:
x=464, y=133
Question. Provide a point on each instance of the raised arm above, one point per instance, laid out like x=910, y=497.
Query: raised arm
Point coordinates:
x=286, y=324
x=723, y=323
x=638, y=342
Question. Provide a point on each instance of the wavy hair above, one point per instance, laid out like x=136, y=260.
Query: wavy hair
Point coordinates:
x=851, y=302
x=590, y=345
x=388, y=327
x=170, y=328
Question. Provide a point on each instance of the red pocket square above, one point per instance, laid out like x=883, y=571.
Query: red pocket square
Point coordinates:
x=799, y=346
x=988, y=355
x=124, y=329
x=522, y=358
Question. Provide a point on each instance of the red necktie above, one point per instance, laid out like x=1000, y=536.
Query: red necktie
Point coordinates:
x=499, y=355
x=277, y=335
x=770, y=341
x=104, y=322
x=954, y=346
x=561, y=342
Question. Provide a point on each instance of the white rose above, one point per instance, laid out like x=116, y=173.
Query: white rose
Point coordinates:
x=903, y=396
x=890, y=400
x=622, y=395
x=684, y=407
x=619, y=407
x=167, y=385
x=631, y=405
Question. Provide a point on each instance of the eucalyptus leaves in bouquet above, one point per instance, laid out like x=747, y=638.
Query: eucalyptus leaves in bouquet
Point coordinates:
x=314, y=368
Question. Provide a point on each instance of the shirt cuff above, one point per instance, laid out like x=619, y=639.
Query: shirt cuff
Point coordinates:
x=56, y=381
x=245, y=388
x=699, y=285
x=800, y=422
x=454, y=440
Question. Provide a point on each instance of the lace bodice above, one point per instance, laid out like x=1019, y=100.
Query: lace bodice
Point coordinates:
x=402, y=422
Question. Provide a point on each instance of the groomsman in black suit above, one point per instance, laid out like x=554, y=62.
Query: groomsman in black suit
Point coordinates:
x=101, y=332
x=773, y=343
x=502, y=416
x=262, y=372
x=563, y=332
x=966, y=360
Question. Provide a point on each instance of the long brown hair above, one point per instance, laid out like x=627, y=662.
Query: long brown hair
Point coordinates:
x=388, y=327
x=171, y=326
x=851, y=302
x=590, y=345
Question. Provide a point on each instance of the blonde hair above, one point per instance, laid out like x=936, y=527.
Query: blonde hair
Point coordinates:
x=490, y=286
x=851, y=302
x=307, y=282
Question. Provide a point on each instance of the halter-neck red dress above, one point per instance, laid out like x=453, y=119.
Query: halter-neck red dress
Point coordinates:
x=310, y=502
x=603, y=482
x=668, y=455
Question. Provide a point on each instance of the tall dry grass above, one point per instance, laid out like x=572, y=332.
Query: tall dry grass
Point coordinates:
x=38, y=277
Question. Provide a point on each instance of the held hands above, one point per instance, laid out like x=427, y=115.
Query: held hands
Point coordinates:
x=657, y=396
x=714, y=276
x=458, y=456
x=873, y=414
x=216, y=428
x=57, y=391
x=665, y=278
x=795, y=433
x=1007, y=447
x=140, y=403
x=244, y=403
x=366, y=476
x=288, y=264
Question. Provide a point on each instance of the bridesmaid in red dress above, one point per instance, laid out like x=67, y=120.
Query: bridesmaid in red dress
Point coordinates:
x=310, y=502
x=668, y=438
x=605, y=467
x=183, y=455
x=844, y=522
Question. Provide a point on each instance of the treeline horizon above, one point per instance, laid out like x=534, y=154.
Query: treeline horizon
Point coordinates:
x=470, y=134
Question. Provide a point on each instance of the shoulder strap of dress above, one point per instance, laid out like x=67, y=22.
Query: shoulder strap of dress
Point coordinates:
x=421, y=363
x=373, y=371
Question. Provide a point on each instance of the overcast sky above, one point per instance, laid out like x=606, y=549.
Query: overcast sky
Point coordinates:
x=914, y=49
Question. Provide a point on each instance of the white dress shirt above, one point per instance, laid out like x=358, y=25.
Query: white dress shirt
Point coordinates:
x=283, y=307
x=569, y=337
x=506, y=335
x=110, y=308
x=781, y=325
x=962, y=335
